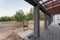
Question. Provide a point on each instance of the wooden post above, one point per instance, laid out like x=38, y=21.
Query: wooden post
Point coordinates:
x=49, y=20
x=36, y=23
x=45, y=21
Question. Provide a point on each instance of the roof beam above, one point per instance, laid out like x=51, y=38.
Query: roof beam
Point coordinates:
x=51, y=4
x=31, y=2
x=36, y=3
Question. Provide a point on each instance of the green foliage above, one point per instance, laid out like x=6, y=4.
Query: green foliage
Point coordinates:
x=5, y=18
x=19, y=16
x=41, y=15
x=30, y=15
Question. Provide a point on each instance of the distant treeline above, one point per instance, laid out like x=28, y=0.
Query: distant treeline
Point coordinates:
x=20, y=16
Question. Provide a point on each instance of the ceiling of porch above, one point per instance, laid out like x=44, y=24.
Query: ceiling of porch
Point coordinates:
x=52, y=6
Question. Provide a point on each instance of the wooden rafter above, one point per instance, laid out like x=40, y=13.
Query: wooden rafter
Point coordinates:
x=36, y=3
x=53, y=7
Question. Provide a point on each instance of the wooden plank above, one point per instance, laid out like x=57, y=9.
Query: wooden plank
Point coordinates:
x=53, y=33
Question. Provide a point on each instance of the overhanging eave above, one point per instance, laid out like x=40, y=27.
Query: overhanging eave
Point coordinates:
x=31, y=2
x=35, y=3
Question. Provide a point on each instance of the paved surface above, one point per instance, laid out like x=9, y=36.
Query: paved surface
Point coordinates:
x=53, y=33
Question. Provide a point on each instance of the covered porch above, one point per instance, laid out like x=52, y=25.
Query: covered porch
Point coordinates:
x=49, y=7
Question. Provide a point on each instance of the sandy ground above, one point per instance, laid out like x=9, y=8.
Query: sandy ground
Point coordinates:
x=31, y=24
x=6, y=30
x=4, y=35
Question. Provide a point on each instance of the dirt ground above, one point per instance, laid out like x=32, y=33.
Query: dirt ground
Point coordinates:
x=31, y=24
x=6, y=28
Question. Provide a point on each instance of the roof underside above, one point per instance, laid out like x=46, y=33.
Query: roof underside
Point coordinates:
x=52, y=6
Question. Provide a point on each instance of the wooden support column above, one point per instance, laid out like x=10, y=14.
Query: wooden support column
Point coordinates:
x=45, y=21
x=49, y=20
x=36, y=23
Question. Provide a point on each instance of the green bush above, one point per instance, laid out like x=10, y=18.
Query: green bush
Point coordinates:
x=5, y=18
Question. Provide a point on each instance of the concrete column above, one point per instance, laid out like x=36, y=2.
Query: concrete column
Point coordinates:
x=45, y=21
x=36, y=24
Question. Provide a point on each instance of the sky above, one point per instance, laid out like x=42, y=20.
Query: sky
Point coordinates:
x=9, y=7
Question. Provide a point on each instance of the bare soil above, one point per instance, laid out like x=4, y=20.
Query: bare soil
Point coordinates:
x=7, y=28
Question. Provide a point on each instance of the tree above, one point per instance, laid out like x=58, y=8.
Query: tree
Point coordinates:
x=5, y=18
x=41, y=15
x=19, y=16
x=30, y=15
